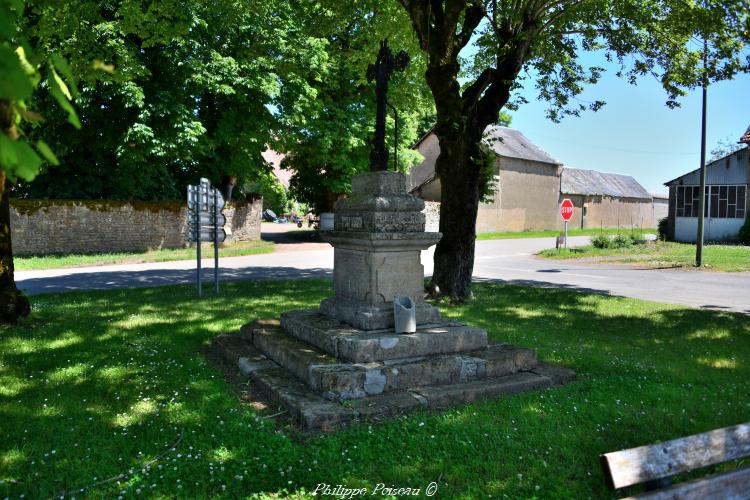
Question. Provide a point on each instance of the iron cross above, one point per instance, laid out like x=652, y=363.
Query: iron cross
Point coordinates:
x=381, y=72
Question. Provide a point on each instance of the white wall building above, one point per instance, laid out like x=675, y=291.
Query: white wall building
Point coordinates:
x=726, y=199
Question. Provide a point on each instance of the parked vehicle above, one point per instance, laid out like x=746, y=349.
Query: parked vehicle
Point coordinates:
x=269, y=215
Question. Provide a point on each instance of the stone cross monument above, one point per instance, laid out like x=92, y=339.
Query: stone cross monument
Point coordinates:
x=377, y=239
x=347, y=349
x=381, y=72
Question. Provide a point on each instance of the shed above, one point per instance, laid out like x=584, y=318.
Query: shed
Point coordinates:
x=528, y=182
x=606, y=200
x=726, y=199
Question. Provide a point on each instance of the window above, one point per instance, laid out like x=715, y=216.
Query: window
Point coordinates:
x=722, y=202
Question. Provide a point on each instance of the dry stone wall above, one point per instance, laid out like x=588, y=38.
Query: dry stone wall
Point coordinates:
x=41, y=227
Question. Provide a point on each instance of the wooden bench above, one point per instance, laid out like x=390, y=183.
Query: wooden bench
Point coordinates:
x=656, y=464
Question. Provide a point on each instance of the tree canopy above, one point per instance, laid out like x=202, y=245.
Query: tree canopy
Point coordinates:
x=188, y=96
x=326, y=106
x=541, y=41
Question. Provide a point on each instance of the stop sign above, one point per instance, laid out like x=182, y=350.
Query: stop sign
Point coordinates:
x=566, y=209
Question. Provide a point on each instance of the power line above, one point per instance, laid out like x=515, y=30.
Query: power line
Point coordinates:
x=624, y=150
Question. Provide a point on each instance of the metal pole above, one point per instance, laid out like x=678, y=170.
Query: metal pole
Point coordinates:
x=216, y=241
x=198, y=239
x=566, y=234
x=702, y=199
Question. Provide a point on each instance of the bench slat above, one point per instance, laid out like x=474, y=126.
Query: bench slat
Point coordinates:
x=734, y=485
x=645, y=463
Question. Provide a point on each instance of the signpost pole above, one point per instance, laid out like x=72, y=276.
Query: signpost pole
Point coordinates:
x=566, y=234
x=215, y=209
x=199, y=199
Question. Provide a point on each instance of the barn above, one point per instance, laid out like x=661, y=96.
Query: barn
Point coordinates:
x=527, y=188
x=606, y=200
x=530, y=186
x=726, y=199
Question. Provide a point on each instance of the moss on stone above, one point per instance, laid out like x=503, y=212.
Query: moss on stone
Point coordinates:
x=30, y=207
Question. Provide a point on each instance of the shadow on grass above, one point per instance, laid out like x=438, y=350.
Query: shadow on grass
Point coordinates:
x=102, y=279
x=111, y=379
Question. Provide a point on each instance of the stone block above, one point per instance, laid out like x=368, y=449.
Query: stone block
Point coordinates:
x=233, y=346
x=340, y=381
x=246, y=330
x=363, y=316
x=290, y=353
x=359, y=346
x=435, y=370
x=362, y=220
x=426, y=341
x=383, y=183
x=451, y=395
x=309, y=409
x=312, y=327
x=504, y=359
x=248, y=366
x=385, y=406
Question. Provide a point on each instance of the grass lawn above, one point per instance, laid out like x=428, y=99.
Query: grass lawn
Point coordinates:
x=663, y=254
x=571, y=232
x=102, y=259
x=95, y=385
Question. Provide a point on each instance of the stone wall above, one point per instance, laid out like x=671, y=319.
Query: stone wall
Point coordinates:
x=86, y=226
x=432, y=216
x=525, y=197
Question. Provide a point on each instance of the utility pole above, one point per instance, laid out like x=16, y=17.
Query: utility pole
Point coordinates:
x=702, y=199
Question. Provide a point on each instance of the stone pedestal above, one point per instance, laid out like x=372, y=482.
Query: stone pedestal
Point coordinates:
x=377, y=240
x=313, y=360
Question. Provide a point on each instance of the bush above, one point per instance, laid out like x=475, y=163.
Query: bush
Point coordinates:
x=745, y=232
x=601, y=241
x=663, y=229
x=621, y=241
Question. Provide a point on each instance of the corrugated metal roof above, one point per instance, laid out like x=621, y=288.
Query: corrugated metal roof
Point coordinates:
x=730, y=169
x=511, y=143
x=593, y=183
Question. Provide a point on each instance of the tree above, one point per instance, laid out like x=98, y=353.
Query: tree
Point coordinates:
x=724, y=147
x=189, y=97
x=326, y=106
x=543, y=39
x=22, y=72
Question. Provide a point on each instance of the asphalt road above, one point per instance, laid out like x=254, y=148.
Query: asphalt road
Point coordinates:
x=509, y=261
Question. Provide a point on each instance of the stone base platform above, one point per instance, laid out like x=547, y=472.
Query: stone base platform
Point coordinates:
x=328, y=374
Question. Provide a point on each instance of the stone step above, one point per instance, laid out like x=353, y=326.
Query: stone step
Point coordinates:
x=336, y=380
x=357, y=346
x=313, y=412
x=306, y=407
x=450, y=395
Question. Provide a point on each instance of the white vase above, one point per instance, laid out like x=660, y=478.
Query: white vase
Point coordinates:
x=404, y=315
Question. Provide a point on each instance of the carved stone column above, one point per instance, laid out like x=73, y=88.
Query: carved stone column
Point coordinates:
x=377, y=238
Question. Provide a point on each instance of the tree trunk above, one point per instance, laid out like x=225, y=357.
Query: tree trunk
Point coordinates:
x=13, y=303
x=228, y=183
x=459, y=170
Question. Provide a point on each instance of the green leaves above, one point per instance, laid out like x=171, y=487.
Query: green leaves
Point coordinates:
x=45, y=150
x=19, y=78
x=18, y=159
x=15, y=84
x=62, y=95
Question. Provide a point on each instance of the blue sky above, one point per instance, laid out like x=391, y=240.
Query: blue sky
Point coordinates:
x=636, y=133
